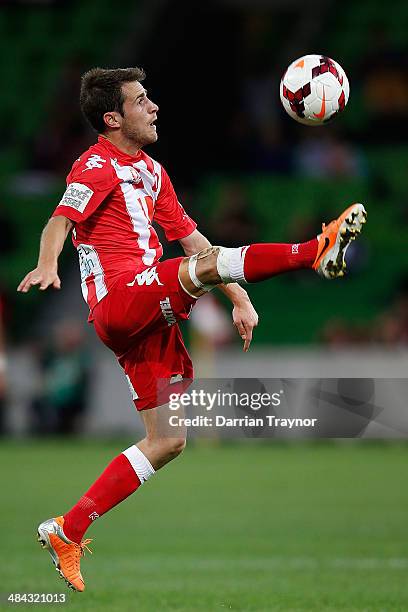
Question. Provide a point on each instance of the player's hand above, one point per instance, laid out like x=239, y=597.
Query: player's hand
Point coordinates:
x=42, y=277
x=245, y=318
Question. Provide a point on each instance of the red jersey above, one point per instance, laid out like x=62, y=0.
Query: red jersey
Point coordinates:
x=112, y=198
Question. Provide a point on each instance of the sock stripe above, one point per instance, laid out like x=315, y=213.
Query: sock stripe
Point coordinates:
x=243, y=253
x=139, y=463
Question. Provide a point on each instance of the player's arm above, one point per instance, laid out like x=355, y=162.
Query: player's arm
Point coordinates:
x=52, y=241
x=244, y=315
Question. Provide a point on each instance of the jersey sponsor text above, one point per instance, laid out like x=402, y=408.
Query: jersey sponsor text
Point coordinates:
x=167, y=311
x=76, y=196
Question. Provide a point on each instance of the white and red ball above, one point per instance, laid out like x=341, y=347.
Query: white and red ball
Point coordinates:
x=314, y=89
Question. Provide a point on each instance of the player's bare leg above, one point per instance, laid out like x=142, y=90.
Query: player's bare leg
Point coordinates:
x=161, y=445
x=256, y=262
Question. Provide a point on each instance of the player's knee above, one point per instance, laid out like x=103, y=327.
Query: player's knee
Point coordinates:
x=210, y=267
x=175, y=446
x=207, y=265
x=202, y=268
x=217, y=265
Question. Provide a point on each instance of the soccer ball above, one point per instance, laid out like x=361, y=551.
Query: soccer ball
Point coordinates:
x=314, y=89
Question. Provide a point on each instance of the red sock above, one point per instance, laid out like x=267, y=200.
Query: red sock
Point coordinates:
x=114, y=485
x=265, y=260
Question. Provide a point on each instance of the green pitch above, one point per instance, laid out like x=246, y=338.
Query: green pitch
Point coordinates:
x=243, y=527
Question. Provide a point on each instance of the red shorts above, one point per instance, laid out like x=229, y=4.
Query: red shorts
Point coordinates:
x=137, y=320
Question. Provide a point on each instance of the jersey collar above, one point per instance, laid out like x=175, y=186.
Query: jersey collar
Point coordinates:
x=117, y=153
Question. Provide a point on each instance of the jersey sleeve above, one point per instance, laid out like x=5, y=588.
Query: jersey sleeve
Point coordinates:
x=87, y=188
x=170, y=214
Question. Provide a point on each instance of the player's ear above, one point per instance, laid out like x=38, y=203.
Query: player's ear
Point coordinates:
x=111, y=120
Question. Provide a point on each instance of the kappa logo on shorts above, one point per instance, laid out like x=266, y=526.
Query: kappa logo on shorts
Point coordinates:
x=295, y=249
x=167, y=311
x=147, y=277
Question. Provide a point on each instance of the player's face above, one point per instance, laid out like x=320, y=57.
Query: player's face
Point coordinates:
x=139, y=114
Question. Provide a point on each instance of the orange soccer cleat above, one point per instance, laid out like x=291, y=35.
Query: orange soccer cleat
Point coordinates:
x=65, y=554
x=335, y=239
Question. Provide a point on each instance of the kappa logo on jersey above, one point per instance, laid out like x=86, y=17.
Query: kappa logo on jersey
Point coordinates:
x=147, y=277
x=167, y=311
x=95, y=161
x=76, y=196
x=295, y=249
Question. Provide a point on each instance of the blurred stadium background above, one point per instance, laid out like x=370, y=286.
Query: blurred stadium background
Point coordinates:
x=247, y=173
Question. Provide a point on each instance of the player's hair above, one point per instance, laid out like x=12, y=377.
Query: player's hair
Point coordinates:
x=101, y=92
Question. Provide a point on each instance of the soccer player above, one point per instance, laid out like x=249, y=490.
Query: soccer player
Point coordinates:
x=114, y=193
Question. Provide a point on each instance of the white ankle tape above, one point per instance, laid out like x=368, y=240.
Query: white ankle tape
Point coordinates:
x=230, y=264
x=139, y=463
x=192, y=263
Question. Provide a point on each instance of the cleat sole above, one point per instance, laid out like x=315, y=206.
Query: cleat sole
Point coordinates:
x=334, y=265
